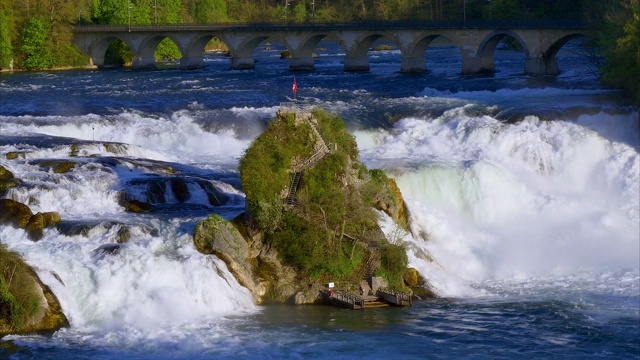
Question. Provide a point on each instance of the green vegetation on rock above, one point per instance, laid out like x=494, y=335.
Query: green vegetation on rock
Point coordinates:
x=26, y=305
x=332, y=230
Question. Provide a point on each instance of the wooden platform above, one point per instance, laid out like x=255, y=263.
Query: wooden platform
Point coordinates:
x=383, y=298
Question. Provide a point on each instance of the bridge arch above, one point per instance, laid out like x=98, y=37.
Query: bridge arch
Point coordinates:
x=357, y=49
x=413, y=58
x=545, y=61
x=485, y=53
x=302, y=54
x=98, y=48
x=193, y=51
x=144, y=55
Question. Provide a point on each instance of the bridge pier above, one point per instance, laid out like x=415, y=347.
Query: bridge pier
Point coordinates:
x=97, y=61
x=242, y=63
x=194, y=62
x=413, y=64
x=541, y=66
x=356, y=63
x=143, y=62
x=477, y=65
x=303, y=63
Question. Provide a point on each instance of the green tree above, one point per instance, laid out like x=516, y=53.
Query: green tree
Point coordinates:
x=34, y=49
x=211, y=11
x=619, y=37
x=6, y=49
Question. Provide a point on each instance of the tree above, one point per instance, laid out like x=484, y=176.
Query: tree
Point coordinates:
x=6, y=49
x=34, y=45
x=211, y=11
x=622, y=68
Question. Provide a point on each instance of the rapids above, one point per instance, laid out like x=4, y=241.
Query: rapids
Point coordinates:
x=523, y=194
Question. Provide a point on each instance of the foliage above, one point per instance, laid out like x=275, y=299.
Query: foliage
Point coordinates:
x=622, y=67
x=210, y=11
x=393, y=263
x=167, y=50
x=18, y=300
x=327, y=234
x=36, y=53
x=6, y=49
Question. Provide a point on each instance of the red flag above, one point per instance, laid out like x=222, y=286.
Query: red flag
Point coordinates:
x=295, y=86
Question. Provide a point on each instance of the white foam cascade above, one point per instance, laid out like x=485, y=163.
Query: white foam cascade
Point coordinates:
x=174, y=138
x=149, y=282
x=490, y=200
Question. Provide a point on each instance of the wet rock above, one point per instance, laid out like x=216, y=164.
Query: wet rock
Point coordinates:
x=7, y=180
x=107, y=249
x=14, y=213
x=34, y=226
x=12, y=155
x=57, y=166
x=412, y=278
x=137, y=206
x=38, y=222
x=214, y=235
x=180, y=189
x=5, y=174
x=26, y=304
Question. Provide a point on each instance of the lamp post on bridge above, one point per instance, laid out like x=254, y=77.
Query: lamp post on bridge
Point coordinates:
x=286, y=9
x=464, y=13
x=155, y=12
x=129, y=13
x=313, y=10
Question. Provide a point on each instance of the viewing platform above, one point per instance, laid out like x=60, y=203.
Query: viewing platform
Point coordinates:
x=383, y=298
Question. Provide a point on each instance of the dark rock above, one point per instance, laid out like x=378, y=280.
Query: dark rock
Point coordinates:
x=14, y=213
x=137, y=206
x=12, y=155
x=5, y=174
x=180, y=189
x=107, y=249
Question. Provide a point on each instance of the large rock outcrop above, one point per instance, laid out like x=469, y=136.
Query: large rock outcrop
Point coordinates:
x=310, y=215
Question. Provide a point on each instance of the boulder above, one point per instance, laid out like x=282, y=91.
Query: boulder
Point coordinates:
x=137, y=206
x=26, y=304
x=5, y=174
x=14, y=213
x=7, y=180
x=217, y=236
x=12, y=155
x=412, y=278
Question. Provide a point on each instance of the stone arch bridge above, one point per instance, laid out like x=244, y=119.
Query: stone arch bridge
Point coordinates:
x=476, y=42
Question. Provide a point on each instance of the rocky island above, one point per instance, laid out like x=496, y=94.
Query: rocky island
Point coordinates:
x=312, y=211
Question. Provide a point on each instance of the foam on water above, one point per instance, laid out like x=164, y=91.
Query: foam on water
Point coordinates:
x=494, y=201
x=175, y=138
x=149, y=282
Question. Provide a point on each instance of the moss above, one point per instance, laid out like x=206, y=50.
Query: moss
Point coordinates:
x=330, y=201
x=5, y=174
x=12, y=155
x=26, y=305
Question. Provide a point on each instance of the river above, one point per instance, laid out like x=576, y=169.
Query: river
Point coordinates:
x=523, y=193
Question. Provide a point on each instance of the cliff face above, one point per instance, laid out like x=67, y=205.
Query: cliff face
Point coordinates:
x=310, y=215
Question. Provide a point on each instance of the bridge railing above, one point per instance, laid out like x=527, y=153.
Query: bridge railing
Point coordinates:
x=356, y=25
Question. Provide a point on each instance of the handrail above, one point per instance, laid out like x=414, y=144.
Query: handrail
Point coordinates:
x=354, y=25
